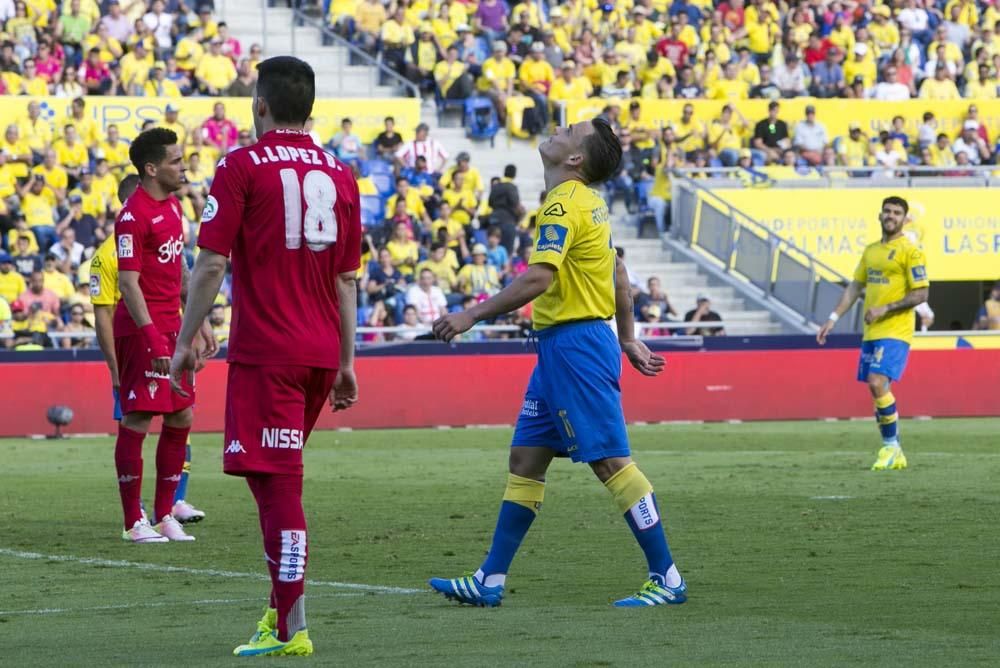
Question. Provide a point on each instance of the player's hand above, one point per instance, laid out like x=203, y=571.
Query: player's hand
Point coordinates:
x=642, y=358
x=345, y=390
x=874, y=313
x=824, y=331
x=185, y=361
x=211, y=344
x=450, y=326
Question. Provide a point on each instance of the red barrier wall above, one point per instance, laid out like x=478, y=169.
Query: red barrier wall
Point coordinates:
x=487, y=389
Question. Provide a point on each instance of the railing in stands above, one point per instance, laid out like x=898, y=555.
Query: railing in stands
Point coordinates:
x=351, y=55
x=743, y=247
x=905, y=176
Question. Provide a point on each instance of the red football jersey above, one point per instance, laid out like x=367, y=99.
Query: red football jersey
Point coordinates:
x=150, y=240
x=290, y=214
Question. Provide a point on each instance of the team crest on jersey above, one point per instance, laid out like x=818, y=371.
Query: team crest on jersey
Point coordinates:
x=551, y=238
x=555, y=209
x=125, y=248
x=152, y=387
x=211, y=208
x=95, y=285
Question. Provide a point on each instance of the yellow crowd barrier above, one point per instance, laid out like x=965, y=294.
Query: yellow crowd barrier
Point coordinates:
x=836, y=115
x=129, y=113
x=946, y=341
x=957, y=228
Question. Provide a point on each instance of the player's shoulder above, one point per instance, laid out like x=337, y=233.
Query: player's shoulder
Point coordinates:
x=563, y=200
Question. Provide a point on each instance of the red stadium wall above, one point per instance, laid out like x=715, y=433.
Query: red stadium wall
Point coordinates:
x=487, y=389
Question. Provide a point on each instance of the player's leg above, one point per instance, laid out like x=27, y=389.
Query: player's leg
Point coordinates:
x=634, y=496
x=583, y=390
x=182, y=510
x=883, y=361
x=132, y=429
x=169, y=467
x=533, y=447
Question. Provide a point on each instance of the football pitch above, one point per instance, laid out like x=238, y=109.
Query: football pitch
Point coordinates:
x=794, y=552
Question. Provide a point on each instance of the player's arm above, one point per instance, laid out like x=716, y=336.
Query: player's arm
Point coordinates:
x=525, y=288
x=135, y=302
x=204, y=284
x=103, y=328
x=912, y=299
x=847, y=299
x=639, y=356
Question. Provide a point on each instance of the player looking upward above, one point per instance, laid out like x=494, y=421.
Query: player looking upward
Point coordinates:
x=104, y=296
x=289, y=213
x=150, y=242
x=893, y=275
x=572, y=406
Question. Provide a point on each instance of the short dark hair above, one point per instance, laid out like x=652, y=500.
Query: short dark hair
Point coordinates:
x=127, y=187
x=602, y=153
x=898, y=201
x=150, y=147
x=510, y=171
x=389, y=118
x=288, y=86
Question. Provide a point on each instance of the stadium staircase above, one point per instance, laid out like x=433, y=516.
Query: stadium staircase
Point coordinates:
x=682, y=278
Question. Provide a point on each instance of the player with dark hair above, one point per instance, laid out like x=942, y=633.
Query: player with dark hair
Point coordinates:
x=104, y=296
x=149, y=238
x=289, y=213
x=893, y=275
x=572, y=406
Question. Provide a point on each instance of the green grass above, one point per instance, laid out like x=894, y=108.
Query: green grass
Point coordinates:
x=901, y=572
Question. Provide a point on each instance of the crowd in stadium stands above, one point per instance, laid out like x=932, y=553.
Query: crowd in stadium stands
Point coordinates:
x=120, y=47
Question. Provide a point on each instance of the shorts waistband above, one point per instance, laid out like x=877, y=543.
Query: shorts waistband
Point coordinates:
x=566, y=326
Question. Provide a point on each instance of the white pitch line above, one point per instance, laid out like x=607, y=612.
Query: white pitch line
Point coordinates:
x=209, y=572
x=830, y=498
x=158, y=604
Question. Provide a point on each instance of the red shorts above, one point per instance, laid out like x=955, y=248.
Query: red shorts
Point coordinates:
x=270, y=412
x=142, y=389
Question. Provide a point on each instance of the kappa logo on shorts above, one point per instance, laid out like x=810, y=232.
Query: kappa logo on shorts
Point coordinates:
x=551, y=238
x=235, y=448
x=131, y=395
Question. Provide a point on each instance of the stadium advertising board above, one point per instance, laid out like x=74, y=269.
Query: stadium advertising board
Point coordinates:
x=129, y=113
x=957, y=228
x=835, y=114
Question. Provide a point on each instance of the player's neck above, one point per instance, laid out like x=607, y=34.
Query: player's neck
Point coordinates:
x=886, y=238
x=556, y=176
x=154, y=190
x=287, y=127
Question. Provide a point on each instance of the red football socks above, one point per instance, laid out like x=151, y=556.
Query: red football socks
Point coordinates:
x=283, y=522
x=128, y=464
x=169, y=466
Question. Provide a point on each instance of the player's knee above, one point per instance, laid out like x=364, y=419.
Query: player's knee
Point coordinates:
x=604, y=469
x=181, y=419
x=878, y=385
x=137, y=421
x=526, y=463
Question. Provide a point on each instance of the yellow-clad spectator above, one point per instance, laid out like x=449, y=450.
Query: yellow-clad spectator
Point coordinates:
x=718, y=43
x=92, y=202
x=463, y=202
x=689, y=132
x=441, y=27
x=748, y=69
x=842, y=36
x=654, y=67
x=967, y=13
x=189, y=51
x=883, y=31
x=215, y=72
x=725, y=135
x=34, y=130
x=18, y=152
x=135, y=69
x=940, y=87
x=663, y=162
x=442, y=263
x=114, y=149
x=458, y=14
x=209, y=153
x=29, y=245
x=86, y=128
x=8, y=181
x=687, y=33
x=450, y=75
x=854, y=150
x=497, y=80
x=171, y=121
x=110, y=49
x=478, y=277
x=630, y=51
x=106, y=183
x=71, y=152
x=369, y=19
x=55, y=280
x=472, y=180
x=861, y=65
x=983, y=86
x=403, y=250
x=605, y=72
x=454, y=230
x=708, y=71
x=800, y=28
x=561, y=33
x=20, y=27
x=209, y=26
x=11, y=283
x=53, y=176
x=731, y=87
x=941, y=153
x=414, y=203
x=31, y=82
x=569, y=86
x=37, y=207
x=952, y=52
x=159, y=85
x=640, y=131
x=646, y=31
x=528, y=8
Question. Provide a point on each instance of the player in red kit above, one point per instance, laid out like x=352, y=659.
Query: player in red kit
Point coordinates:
x=149, y=239
x=288, y=213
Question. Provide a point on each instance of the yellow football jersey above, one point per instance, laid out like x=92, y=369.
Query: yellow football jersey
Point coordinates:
x=889, y=271
x=104, y=274
x=574, y=235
